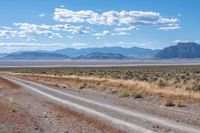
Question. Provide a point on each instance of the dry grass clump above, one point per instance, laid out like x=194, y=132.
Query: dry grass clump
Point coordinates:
x=173, y=102
x=136, y=95
x=179, y=103
x=123, y=94
x=130, y=93
x=168, y=102
x=82, y=86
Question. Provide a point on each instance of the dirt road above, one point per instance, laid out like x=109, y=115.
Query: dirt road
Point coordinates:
x=126, y=119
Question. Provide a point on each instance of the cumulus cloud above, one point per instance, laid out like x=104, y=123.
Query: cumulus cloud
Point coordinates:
x=26, y=30
x=115, y=18
x=66, y=27
x=65, y=15
x=105, y=32
x=122, y=33
x=72, y=29
x=6, y=28
x=170, y=27
x=123, y=29
x=7, y=33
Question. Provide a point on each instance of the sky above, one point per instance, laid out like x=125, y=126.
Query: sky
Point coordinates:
x=57, y=24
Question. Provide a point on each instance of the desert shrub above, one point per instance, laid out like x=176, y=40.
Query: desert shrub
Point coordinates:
x=82, y=86
x=195, y=87
x=43, y=72
x=137, y=95
x=168, y=102
x=112, y=91
x=123, y=94
x=179, y=103
x=162, y=83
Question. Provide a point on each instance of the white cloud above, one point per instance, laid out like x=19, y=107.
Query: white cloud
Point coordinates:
x=65, y=15
x=129, y=44
x=6, y=28
x=29, y=44
x=42, y=15
x=26, y=30
x=79, y=45
x=14, y=46
x=185, y=41
x=114, y=18
x=121, y=33
x=71, y=28
x=122, y=29
x=31, y=40
x=170, y=27
x=105, y=32
x=66, y=27
x=7, y=33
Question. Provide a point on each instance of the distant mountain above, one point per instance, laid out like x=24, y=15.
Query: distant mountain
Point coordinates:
x=101, y=56
x=34, y=56
x=130, y=52
x=181, y=50
x=3, y=55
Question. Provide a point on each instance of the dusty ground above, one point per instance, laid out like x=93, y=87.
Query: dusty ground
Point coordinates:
x=187, y=113
x=17, y=114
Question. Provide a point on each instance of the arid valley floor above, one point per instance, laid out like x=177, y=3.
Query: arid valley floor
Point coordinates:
x=100, y=99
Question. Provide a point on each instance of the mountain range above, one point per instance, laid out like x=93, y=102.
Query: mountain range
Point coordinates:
x=181, y=50
x=35, y=56
x=130, y=52
x=3, y=55
x=85, y=53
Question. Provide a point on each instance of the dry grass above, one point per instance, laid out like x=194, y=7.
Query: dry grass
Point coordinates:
x=122, y=88
x=184, y=77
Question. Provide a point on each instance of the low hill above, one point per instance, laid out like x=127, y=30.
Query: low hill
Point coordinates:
x=35, y=56
x=181, y=50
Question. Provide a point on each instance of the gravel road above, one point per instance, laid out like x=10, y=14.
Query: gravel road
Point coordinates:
x=124, y=118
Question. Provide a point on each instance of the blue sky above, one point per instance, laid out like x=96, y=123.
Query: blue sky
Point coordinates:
x=57, y=24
